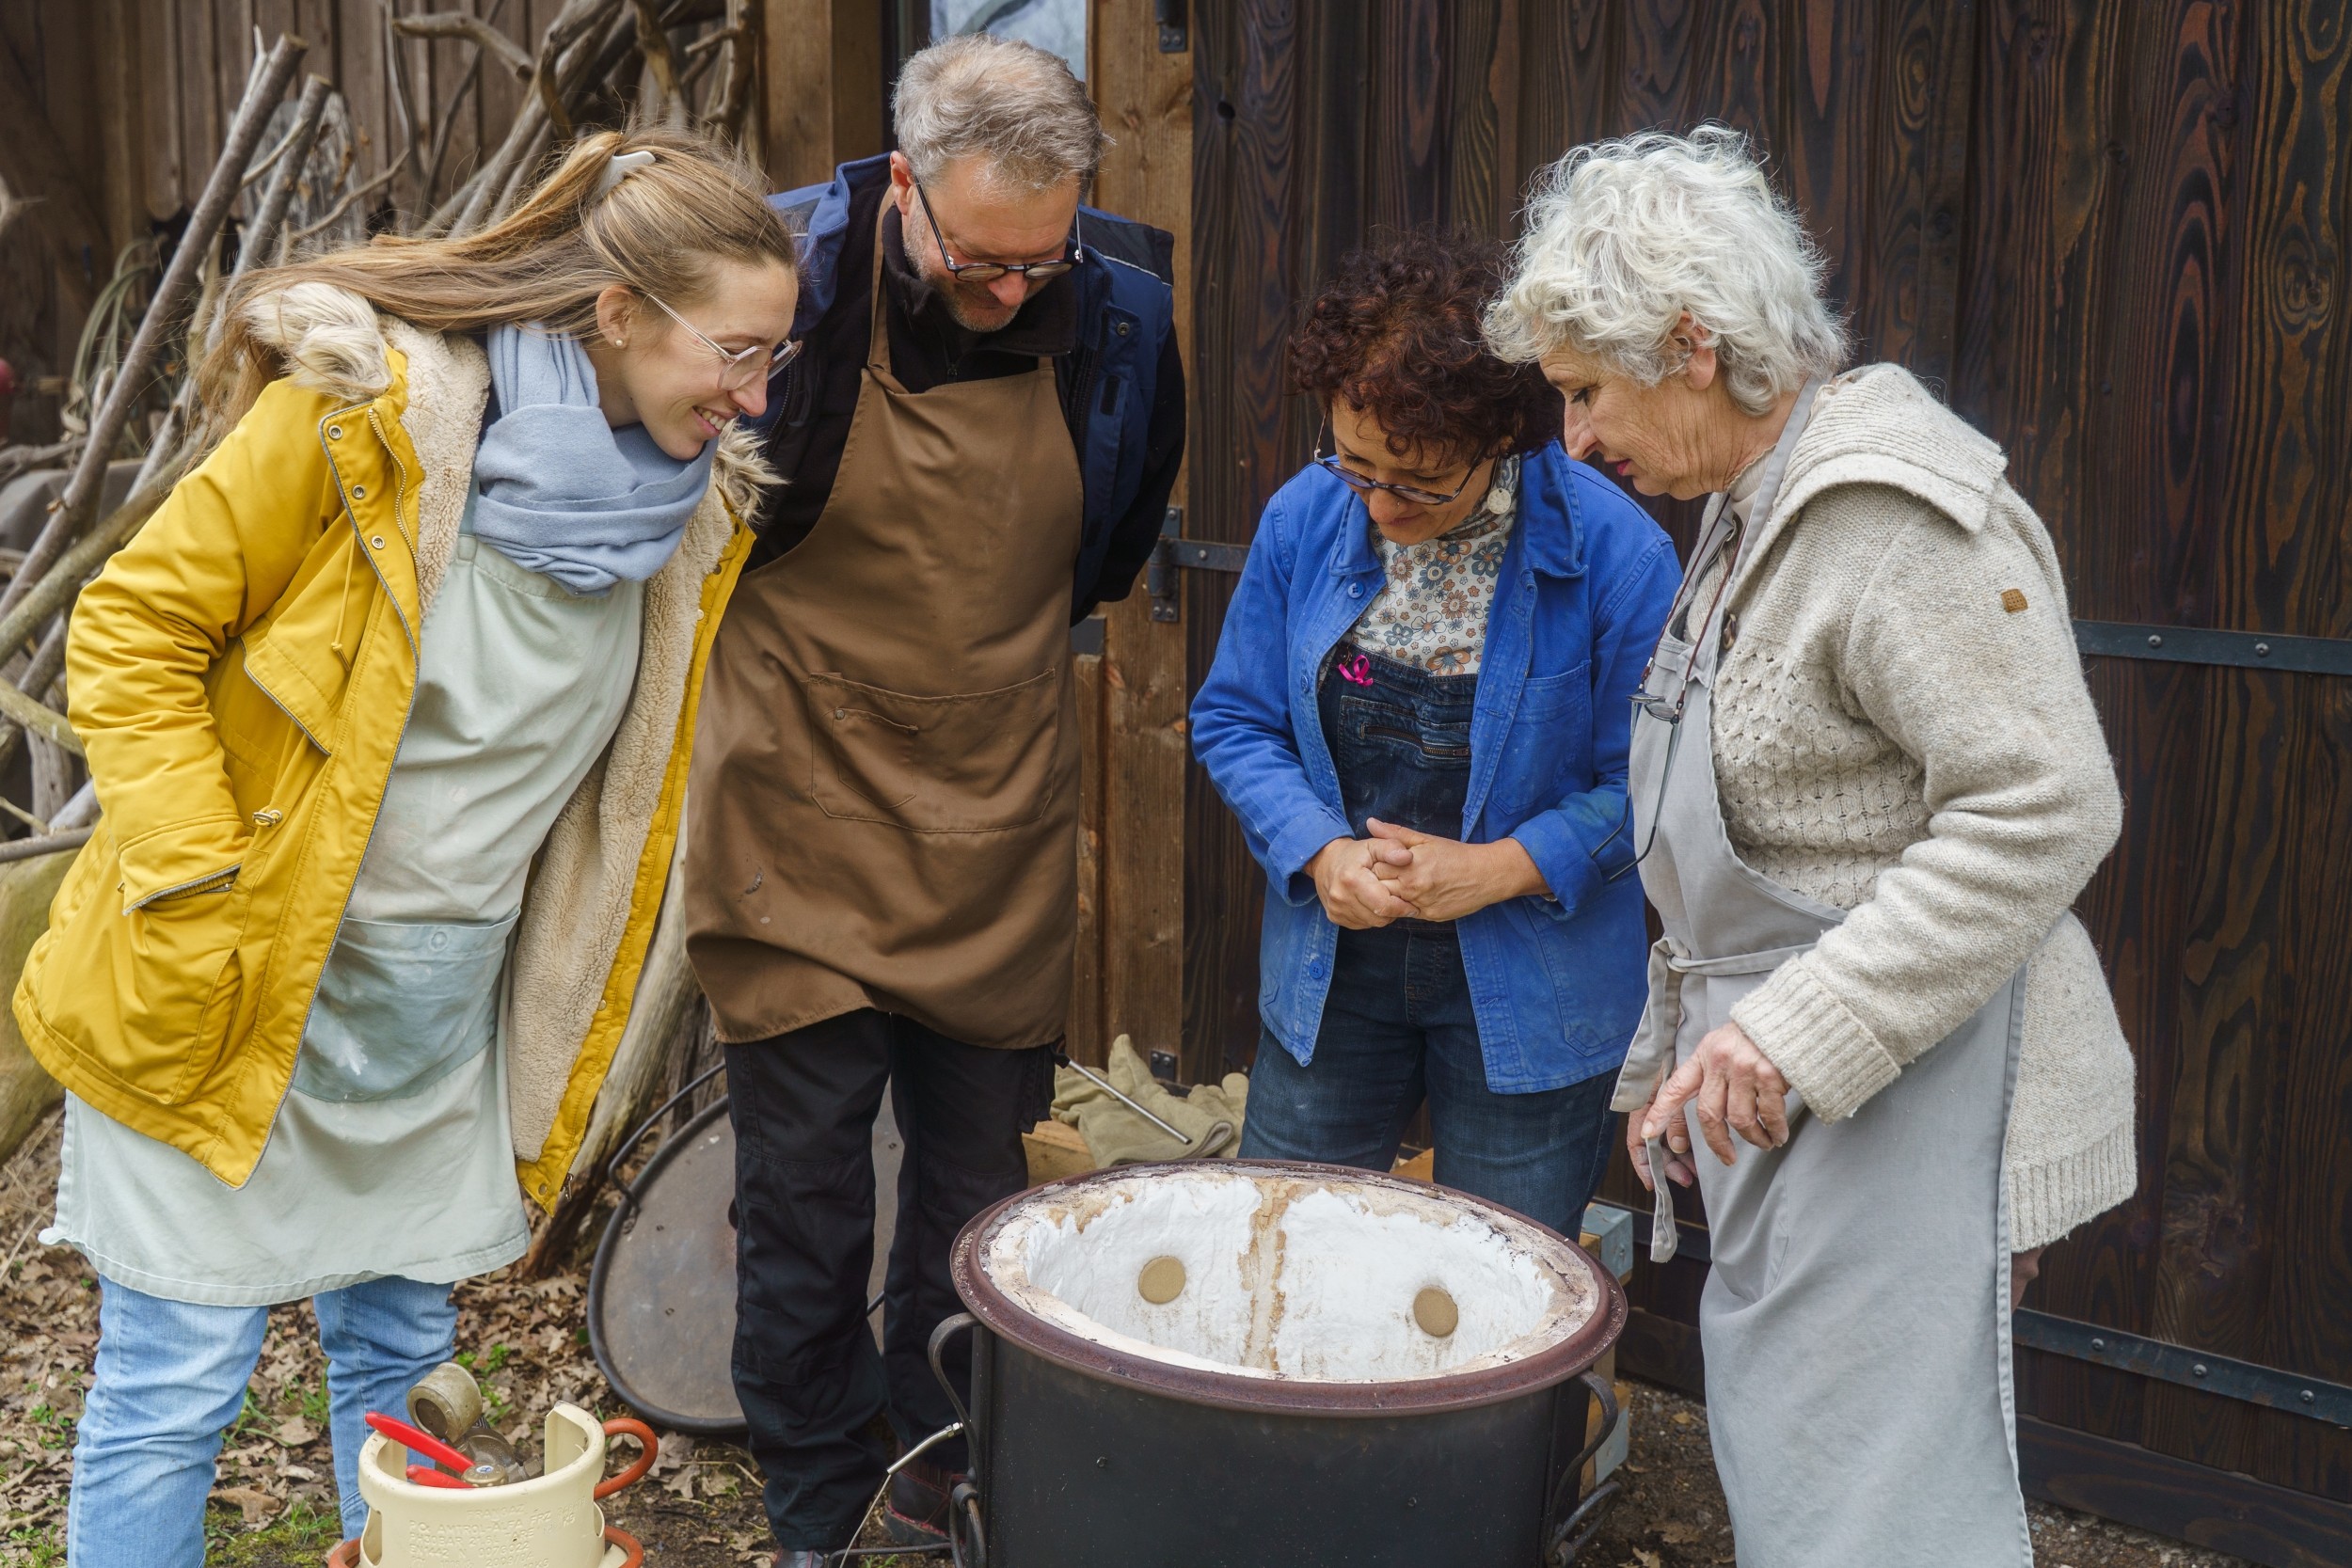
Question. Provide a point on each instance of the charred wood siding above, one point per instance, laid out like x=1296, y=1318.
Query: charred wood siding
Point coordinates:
x=2114, y=232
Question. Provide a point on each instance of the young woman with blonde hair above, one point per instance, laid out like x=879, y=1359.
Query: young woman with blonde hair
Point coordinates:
x=388, y=709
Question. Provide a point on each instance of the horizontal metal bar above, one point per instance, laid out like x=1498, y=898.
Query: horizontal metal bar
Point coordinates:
x=2312, y=656
x=2268, y=1387
x=1201, y=555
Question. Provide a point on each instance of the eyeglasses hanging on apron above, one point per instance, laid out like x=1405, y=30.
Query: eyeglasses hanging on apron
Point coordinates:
x=1721, y=534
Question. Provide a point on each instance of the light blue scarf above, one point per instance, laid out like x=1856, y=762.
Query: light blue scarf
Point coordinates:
x=560, y=491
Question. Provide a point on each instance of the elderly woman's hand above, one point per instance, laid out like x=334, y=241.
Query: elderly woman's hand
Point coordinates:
x=1444, y=878
x=1353, y=893
x=1732, y=1085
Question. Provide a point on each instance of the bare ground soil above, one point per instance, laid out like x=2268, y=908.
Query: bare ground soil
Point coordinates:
x=273, y=1501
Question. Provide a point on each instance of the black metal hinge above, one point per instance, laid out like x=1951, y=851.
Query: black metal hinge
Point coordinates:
x=1174, y=553
x=2254, y=650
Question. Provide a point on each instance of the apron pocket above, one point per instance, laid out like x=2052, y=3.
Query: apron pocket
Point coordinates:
x=401, y=1004
x=970, y=764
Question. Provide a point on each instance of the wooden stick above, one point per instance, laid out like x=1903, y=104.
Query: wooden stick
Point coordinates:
x=356, y=193
x=653, y=43
x=58, y=587
x=490, y=179
x=33, y=848
x=735, y=100
x=47, y=663
x=474, y=30
x=80, y=503
x=448, y=121
x=39, y=718
x=261, y=235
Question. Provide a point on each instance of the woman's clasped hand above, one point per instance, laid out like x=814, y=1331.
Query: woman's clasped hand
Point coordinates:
x=1399, y=873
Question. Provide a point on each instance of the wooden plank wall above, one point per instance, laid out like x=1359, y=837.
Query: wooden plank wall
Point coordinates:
x=1137, y=773
x=2115, y=232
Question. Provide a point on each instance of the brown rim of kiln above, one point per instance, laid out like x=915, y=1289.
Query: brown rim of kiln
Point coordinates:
x=1553, y=1364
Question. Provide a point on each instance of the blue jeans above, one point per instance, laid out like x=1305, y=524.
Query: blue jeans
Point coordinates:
x=1398, y=1027
x=171, y=1377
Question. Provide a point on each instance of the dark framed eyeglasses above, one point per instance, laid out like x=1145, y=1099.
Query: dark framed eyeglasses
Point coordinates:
x=1364, y=484
x=989, y=272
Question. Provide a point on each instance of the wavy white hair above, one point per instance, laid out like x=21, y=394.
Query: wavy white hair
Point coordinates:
x=1624, y=236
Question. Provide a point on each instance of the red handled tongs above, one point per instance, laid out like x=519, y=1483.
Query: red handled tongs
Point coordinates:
x=420, y=1442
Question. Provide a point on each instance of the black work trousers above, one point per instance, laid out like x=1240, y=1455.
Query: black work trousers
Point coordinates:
x=806, y=1370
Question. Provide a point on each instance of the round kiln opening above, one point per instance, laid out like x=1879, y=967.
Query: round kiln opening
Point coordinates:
x=1322, y=1278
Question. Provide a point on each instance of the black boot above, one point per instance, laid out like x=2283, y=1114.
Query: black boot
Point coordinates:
x=917, y=1514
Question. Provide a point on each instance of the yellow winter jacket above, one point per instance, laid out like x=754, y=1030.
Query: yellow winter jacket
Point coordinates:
x=241, y=674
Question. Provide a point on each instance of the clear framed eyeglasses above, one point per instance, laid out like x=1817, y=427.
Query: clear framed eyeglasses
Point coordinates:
x=739, y=370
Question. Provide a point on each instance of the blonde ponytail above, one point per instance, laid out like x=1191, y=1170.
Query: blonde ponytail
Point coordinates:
x=656, y=230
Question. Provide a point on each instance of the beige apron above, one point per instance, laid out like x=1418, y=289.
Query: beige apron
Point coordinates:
x=885, y=783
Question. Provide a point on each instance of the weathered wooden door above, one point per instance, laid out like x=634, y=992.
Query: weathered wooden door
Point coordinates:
x=2114, y=232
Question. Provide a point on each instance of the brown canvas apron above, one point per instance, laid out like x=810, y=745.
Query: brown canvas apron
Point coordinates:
x=885, y=782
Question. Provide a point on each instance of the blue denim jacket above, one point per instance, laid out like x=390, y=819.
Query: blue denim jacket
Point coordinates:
x=1557, y=982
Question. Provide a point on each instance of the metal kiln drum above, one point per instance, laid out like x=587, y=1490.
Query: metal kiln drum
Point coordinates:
x=1089, y=1448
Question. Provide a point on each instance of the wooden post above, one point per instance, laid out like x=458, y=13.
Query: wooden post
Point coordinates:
x=1145, y=97
x=822, y=93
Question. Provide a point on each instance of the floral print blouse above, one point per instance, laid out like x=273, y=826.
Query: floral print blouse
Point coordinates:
x=1430, y=615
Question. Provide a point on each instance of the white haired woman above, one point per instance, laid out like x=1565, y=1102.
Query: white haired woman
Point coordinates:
x=1867, y=783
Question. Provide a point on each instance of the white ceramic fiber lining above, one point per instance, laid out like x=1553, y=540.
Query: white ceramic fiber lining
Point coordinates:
x=1285, y=1277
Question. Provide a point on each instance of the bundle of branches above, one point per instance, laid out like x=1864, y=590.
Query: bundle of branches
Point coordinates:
x=597, y=62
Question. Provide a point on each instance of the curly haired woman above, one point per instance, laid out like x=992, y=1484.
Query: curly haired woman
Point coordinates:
x=1419, y=711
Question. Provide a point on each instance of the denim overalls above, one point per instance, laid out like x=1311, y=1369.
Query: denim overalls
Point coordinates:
x=1399, y=1023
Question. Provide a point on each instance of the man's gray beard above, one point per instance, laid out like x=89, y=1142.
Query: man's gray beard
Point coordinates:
x=956, y=308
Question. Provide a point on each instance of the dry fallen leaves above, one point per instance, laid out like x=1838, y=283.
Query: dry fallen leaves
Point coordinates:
x=256, y=1506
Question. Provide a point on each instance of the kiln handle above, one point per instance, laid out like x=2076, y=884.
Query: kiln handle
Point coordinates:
x=964, y=1503
x=1568, y=1539
x=648, y=1445
x=948, y=1329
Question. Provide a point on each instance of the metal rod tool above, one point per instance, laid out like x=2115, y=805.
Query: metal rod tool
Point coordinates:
x=1061, y=1058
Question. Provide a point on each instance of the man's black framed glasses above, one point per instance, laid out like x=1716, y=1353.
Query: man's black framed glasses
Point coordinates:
x=989, y=272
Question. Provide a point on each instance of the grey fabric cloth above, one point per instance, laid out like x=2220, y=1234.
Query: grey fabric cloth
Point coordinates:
x=391, y=1152
x=560, y=491
x=1856, y=1318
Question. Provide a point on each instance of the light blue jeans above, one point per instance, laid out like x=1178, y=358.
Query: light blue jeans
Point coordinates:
x=171, y=1377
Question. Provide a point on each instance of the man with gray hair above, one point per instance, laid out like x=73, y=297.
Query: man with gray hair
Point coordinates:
x=979, y=442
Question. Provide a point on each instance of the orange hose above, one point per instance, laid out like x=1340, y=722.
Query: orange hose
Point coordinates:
x=648, y=1445
x=627, y=1543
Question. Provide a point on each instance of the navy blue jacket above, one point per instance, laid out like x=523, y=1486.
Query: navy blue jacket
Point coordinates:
x=1122, y=384
x=1557, y=982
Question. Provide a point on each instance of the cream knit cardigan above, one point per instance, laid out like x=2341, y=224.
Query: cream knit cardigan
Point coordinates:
x=1902, y=731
